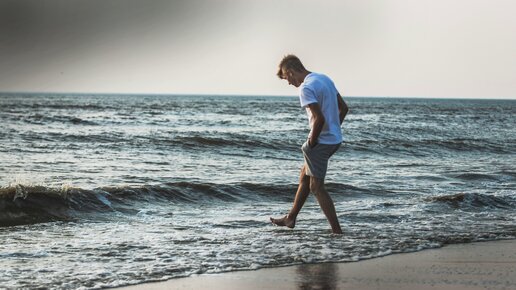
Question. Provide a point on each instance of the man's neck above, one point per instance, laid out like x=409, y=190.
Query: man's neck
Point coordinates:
x=305, y=73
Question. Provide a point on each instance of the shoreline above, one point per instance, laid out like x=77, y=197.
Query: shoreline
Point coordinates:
x=478, y=265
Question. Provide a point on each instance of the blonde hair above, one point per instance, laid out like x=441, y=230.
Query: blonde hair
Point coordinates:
x=290, y=62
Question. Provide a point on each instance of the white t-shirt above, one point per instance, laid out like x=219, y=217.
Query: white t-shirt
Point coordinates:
x=318, y=88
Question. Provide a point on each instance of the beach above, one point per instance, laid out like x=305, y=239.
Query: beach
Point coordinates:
x=481, y=265
x=228, y=144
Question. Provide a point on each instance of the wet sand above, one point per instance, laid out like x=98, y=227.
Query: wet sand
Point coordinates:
x=483, y=265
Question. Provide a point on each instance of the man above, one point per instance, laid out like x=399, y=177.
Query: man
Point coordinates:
x=326, y=111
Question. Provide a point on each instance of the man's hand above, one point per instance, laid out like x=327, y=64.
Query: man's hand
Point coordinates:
x=312, y=143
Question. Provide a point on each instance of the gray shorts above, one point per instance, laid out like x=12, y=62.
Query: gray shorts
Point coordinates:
x=316, y=159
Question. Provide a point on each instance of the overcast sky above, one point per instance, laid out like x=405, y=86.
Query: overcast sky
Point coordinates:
x=419, y=48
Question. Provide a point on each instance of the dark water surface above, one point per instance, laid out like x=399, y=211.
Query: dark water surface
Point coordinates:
x=103, y=190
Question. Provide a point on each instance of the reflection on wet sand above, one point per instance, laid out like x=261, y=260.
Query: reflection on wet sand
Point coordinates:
x=318, y=276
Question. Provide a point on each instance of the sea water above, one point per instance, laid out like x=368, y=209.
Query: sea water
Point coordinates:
x=108, y=190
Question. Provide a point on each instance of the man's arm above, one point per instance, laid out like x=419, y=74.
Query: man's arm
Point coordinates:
x=318, y=123
x=343, y=108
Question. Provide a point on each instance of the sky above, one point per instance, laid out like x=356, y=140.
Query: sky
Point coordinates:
x=399, y=48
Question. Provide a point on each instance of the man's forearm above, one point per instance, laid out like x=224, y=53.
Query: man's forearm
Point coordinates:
x=343, y=108
x=316, y=131
x=342, y=113
x=317, y=124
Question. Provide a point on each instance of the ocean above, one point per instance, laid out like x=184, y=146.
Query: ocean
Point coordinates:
x=100, y=191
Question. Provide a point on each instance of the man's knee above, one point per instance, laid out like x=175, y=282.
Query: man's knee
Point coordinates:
x=316, y=185
x=304, y=178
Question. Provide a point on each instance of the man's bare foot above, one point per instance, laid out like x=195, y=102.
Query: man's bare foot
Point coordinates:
x=337, y=232
x=285, y=221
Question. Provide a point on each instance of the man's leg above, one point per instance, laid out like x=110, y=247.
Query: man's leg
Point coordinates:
x=326, y=203
x=303, y=190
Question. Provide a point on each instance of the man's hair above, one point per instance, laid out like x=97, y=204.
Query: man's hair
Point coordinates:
x=290, y=62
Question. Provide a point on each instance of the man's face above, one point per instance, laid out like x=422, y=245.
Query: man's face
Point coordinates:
x=290, y=76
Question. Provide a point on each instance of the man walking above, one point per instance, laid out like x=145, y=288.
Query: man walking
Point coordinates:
x=326, y=111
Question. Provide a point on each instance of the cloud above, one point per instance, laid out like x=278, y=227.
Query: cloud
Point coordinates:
x=40, y=36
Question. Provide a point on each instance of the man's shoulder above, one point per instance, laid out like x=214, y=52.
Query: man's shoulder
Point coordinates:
x=314, y=80
x=318, y=77
x=311, y=79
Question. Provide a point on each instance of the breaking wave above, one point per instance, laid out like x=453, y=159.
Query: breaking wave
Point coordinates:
x=21, y=204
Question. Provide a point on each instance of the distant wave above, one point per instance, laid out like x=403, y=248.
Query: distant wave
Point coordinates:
x=117, y=140
x=43, y=119
x=381, y=145
x=239, y=141
x=474, y=201
x=477, y=176
x=384, y=145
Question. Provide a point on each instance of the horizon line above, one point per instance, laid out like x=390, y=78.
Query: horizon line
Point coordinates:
x=239, y=95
